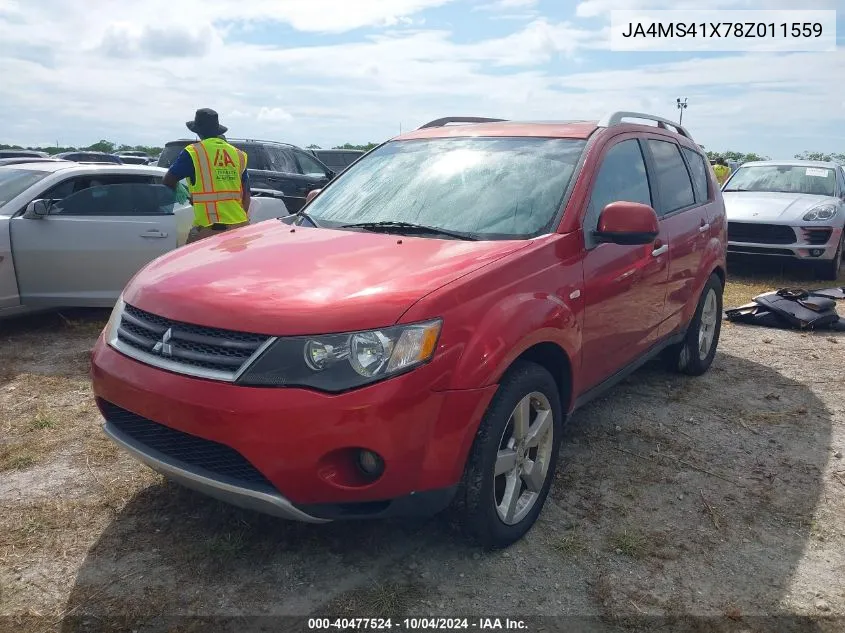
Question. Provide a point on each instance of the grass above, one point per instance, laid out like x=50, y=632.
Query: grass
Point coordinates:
x=631, y=543
x=16, y=458
x=42, y=421
x=748, y=278
x=388, y=600
x=569, y=545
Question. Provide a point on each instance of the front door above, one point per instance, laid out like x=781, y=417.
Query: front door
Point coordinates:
x=624, y=286
x=91, y=244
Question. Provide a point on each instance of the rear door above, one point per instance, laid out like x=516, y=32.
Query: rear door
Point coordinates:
x=682, y=203
x=93, y=241
x=624, y=286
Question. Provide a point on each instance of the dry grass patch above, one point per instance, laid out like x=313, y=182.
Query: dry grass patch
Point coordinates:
x=749, y=278
x=390, y=600
x=631, y=543
x=17, y=457
x=569, y=545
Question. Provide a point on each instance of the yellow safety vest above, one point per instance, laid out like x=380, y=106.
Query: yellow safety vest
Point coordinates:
x=722, y=173
x=216, y=190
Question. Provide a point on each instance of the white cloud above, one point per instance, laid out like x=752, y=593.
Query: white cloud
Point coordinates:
x=78, y=72
x=273, y=115
x=598, y=8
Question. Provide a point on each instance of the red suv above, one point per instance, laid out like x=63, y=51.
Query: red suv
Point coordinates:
x=416, y=336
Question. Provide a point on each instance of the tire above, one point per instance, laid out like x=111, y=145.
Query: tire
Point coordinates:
x=687, y=356
x=480, y=507
x=829, y=270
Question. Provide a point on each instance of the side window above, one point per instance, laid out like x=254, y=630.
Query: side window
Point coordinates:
x=699, y=170
x=127, y=199
x=281, y=160
x=671, y=176
x=840, y=176
x=309, y=166
x=64, y=189
x=622, y=178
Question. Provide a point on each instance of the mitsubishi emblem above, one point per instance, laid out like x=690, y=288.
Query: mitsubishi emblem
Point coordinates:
x=163, y=347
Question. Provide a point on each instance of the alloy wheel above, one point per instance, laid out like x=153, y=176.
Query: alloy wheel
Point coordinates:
x=524, y=456
x=707, y=326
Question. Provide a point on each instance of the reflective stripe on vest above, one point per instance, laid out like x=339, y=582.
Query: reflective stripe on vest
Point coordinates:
x=216, y=191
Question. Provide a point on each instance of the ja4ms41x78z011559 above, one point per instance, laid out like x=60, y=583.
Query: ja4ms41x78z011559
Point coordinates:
x=415, y=337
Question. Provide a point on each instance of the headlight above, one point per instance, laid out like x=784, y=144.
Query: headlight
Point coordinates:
x=820, y=213
x=114, y=320
x=337, y=362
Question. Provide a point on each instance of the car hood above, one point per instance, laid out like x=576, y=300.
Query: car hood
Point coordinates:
x=753, y=206
x=271, y=278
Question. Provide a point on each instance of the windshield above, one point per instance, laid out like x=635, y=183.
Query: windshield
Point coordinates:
x=487, y=187
x=13, y=182
x=818, y=181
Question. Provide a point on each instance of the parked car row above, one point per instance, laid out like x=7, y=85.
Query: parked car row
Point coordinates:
x=84, y=156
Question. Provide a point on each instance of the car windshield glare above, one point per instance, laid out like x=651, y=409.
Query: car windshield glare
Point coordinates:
x=804, y=179
x=492, y=188
x=13, y=182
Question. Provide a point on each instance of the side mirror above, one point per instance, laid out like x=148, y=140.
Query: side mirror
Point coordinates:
x=627, y=223
x=37, y=209
x=311, y=195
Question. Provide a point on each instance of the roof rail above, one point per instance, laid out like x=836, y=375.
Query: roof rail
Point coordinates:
x=616, y=118
x=459, y=119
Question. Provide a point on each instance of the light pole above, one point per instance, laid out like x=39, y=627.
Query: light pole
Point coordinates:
x=682, y=105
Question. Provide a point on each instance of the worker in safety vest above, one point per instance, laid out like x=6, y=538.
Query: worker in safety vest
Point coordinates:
x=217, y=177
x=721, y=170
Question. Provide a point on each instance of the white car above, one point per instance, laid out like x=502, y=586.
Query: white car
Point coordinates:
x=74, y=234
x=790, y=209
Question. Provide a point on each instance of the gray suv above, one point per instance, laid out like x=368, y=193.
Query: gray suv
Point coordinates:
x=274, y=168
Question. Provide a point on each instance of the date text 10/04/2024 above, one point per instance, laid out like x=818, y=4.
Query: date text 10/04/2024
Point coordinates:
x=417, y=624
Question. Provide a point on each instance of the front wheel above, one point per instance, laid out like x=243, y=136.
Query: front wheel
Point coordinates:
x=512, y=462
x=694, y=355
x=829, y=270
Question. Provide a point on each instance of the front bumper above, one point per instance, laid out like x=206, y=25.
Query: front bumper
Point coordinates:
x=291, y=438
x=806, y=244
x=266, y=501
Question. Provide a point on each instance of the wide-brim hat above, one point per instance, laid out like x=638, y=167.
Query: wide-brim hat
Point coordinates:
x=206, y=123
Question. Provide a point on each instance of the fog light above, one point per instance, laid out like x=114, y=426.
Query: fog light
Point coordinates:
x=370, y=463
x=816, y=252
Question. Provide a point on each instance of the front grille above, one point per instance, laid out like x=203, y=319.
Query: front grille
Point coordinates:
x=191, y=348
x=760, y=233
x=817, y=236
x=216, y=459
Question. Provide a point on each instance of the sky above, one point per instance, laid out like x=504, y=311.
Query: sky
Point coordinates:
x=335, y=71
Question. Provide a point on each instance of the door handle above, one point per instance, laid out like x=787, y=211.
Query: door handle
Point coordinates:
x=154, y=233
x=657, y=252
x=704, y=228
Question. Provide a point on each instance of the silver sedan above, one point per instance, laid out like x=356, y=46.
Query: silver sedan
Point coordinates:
x=790, y=209
x=74, y=235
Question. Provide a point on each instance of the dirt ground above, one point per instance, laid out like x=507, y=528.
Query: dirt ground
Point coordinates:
x=680, y=504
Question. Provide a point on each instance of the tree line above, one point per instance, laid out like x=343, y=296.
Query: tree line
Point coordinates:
x=742, y=157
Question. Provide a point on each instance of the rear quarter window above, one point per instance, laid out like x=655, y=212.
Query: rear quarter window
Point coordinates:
x=698, y=169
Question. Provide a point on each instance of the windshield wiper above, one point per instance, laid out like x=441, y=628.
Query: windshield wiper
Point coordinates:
x=389, y=225
x=304, y=214
x=735, y=189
